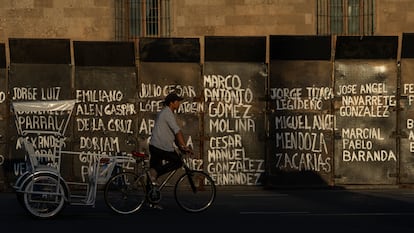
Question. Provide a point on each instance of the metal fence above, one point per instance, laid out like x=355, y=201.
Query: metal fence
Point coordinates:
x=141, y=18
x=345, y=17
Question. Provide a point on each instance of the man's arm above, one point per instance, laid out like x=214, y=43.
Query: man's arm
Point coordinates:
x=179, y=137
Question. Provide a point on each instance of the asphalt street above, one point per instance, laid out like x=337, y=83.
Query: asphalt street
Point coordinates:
x=238, y=209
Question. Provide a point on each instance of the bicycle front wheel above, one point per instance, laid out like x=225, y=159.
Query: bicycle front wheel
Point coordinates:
x=195, y=191
x=125, y=193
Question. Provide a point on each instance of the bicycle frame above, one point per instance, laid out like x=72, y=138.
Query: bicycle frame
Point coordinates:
x=169, y=174
x=194, y=190
x=165, y=181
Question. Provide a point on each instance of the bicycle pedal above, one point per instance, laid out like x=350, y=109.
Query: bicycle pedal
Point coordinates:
x=156, y=206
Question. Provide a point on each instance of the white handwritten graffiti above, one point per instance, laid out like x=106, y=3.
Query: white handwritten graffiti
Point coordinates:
x=2, y=97
x=154, y=90
x=229, y=107
x=359, y=144
x=302, y=136
x=95, y=96
x=101, y=111
x=303, y=161
x=295, y=99
x=366, y=100
x=34, y=93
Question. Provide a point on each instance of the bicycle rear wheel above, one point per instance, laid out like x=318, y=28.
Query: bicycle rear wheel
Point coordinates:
x=124, y=193
x=43, y=196
x=195, y=191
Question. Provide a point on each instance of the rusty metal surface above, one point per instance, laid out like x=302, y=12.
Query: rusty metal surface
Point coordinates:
x=3, y=116
x=35, y=82
x=3, y=106
x=301, y=123
x=157, y=80
x=311, y=122
x=39, y=82
x=2, y=56
x=234, y=116
x=406, y=122
x=167, y=65
x=4, y=167
x=105, y=113
x=365, y=109
x=3, y=127
x=105, y=108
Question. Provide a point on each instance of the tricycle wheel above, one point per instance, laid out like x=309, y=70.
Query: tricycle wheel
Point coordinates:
x=44, y=196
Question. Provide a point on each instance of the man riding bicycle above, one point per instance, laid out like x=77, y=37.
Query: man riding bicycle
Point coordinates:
x=165, y=135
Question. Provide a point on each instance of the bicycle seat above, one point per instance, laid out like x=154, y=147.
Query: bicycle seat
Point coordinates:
x=140, y=155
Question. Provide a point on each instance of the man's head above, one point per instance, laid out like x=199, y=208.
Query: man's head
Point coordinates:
x=172, y=97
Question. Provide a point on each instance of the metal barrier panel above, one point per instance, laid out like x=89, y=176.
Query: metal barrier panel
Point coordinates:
x=406, y=117
x=39, y=70
x=4, y=185
x=234, y=82
x=105, y=92
x=166, y=66
x=365, y=108
x=3, y=96
x=2, y=56
x=3, y=106
x=309, y=120
x=3, y=116
x=301, y=122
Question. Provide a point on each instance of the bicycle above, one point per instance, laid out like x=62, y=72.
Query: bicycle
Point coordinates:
x=194, y=190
